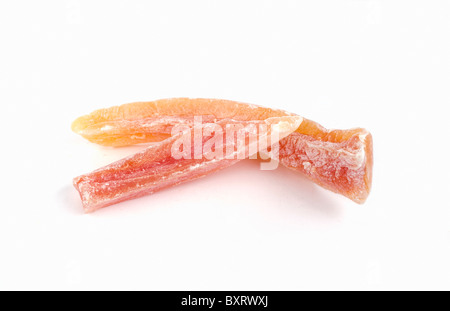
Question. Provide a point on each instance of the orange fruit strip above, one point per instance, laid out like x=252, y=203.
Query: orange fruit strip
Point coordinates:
x=338, y=160
x=145, y=122
x=156, y=168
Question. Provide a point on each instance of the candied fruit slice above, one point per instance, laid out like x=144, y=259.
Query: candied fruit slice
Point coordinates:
x=158, y=167
x=145, y=122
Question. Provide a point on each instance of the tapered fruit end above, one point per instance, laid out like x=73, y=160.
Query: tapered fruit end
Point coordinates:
x=79, y=125
x=97, y=132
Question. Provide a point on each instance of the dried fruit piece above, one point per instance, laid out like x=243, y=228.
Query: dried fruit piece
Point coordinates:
x=145, y=122
x=158, y=166
x=338, y=160
x=341, y=161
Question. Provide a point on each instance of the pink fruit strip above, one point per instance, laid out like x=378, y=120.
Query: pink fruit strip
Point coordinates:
x=155, y=168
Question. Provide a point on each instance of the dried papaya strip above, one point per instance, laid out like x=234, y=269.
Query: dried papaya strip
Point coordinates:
x=338, y=160
x=145, y=122
x=165, y=164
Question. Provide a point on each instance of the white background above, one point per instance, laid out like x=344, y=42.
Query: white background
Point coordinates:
x=382, y=65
